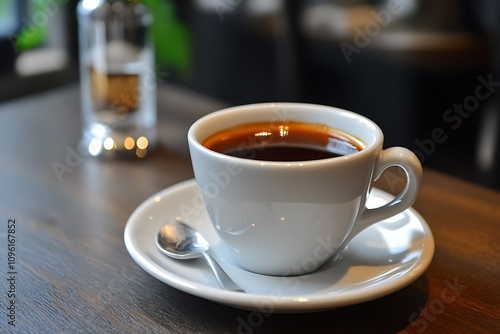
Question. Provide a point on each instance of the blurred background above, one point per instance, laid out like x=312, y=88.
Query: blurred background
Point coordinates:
x=426, y=71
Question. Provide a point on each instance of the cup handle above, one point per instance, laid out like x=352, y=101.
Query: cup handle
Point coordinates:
x=408, y=161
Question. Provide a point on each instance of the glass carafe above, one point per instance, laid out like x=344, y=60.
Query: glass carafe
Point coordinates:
x=117, y=77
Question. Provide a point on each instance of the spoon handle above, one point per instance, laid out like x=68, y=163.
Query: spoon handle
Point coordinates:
x=223, y=279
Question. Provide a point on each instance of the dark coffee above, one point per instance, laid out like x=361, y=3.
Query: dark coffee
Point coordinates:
x=290, y=141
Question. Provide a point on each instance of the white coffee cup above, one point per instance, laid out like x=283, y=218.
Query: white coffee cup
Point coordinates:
x=289, y=218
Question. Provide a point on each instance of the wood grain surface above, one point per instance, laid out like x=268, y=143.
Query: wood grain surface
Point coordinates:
x=74, y=275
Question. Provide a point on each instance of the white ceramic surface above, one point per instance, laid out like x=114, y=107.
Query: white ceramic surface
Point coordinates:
x=260, y=208
x=380, y=260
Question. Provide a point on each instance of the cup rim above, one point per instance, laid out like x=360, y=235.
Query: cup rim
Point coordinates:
x=194, y=142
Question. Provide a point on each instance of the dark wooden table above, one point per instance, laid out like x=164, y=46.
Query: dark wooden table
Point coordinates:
x=72, y=273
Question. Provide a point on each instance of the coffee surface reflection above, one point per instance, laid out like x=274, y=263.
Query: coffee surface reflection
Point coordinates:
x=290, y=141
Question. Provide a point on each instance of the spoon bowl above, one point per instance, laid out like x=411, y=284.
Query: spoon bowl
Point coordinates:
x=180, y=241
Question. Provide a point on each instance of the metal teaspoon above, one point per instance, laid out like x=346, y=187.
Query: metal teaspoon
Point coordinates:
x=180, y=241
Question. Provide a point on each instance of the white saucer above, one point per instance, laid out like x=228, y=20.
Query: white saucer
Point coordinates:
x=381, y=260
